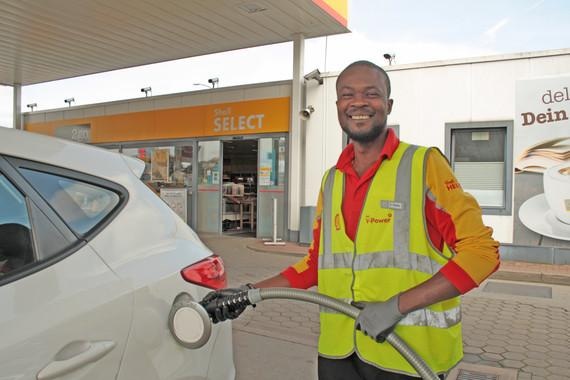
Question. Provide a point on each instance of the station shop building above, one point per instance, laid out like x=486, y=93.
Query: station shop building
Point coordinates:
x=222, y=157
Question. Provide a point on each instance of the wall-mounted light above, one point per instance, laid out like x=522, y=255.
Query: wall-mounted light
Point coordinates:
x=146, y=90
x=31, y=106
x=69, y=101
x=391, y=57
x=305, y=114
x=316, y=75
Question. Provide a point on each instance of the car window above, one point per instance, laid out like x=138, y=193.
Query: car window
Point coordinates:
x=15, y=235
x=81, y=205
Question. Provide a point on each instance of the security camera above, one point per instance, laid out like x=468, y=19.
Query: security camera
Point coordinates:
x=316, y=75
x=391, y=57
x=213, y=81
x=305, y=114
x=146, y=90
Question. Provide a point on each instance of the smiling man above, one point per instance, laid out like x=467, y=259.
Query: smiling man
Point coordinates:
x=393, y=238
x=363, y=105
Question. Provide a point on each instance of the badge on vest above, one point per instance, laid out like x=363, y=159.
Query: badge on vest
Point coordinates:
x=337, y=222
x=393, y=205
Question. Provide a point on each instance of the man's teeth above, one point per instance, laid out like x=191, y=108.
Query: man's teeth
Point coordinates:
x=360, y=117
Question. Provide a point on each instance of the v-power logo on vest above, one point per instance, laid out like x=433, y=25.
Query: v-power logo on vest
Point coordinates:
x=387, y=214
x=378, y=219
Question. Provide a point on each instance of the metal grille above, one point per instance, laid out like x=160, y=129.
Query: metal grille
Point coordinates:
x=472, y=375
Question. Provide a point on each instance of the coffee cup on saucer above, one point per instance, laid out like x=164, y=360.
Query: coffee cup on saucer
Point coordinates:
x=557, y=191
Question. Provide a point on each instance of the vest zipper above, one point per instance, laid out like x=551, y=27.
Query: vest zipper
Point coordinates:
x=353, y=243
x=354, y=252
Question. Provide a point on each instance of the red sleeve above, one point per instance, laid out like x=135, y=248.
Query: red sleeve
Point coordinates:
x=456, y=218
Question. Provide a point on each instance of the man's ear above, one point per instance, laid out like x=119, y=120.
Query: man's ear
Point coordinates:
x=390, y=104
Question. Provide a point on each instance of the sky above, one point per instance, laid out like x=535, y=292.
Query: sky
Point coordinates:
x=414, y=30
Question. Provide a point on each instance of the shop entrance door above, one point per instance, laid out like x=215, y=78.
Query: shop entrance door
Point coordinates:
x=239, y=187
x=271, y=186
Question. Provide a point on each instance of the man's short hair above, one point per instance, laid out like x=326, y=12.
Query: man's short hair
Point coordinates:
x=372, y=66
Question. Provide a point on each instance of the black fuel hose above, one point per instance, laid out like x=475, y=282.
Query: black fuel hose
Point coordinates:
x=253, y=296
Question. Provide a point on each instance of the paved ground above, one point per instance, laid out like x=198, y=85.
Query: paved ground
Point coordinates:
x=509, y=324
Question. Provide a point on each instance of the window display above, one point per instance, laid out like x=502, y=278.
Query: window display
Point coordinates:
x=168, y=171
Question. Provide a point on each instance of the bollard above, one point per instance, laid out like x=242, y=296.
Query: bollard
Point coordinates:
x=276, y=240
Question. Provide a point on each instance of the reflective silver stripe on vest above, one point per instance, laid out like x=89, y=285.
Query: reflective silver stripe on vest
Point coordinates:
x=327, y=211
x=427, y=317
x=336, y=260
x=402, y=216
x=423, y=317
x=365, y=261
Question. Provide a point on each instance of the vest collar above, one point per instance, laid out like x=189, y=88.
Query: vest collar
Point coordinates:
x=344, y=163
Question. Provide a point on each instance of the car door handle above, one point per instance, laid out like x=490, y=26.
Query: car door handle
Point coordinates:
x=73, y=356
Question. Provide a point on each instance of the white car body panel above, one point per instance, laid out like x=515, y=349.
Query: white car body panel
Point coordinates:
x=133, y=265
x=42, y=313
x=166, y=359
x=67, y=154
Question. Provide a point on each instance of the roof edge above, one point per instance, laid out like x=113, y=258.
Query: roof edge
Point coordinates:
x=471, y=60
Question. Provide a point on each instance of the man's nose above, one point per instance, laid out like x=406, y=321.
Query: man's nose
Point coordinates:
x=359, y=100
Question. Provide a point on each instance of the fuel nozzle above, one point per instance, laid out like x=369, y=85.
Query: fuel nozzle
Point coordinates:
x=231, y=302
x=228, y=303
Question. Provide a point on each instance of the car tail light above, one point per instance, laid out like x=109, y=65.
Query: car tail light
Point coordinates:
x=209, y=272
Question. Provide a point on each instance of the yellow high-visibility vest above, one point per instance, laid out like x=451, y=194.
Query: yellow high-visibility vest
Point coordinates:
x=390, y=254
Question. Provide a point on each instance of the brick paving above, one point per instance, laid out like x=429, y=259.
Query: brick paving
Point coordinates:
x=529, y=334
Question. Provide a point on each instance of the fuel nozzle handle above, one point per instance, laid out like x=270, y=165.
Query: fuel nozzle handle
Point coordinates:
x=231, y=303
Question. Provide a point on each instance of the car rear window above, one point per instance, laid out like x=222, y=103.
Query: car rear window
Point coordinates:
x=81, y=205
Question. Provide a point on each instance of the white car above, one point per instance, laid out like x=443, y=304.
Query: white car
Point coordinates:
x=91, y=261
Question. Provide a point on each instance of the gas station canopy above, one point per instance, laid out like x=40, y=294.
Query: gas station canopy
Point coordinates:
x=56, y=39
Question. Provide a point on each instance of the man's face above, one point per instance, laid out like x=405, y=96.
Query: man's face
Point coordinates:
x=362, y=103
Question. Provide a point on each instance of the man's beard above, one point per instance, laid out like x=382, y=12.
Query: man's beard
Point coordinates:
x=366, y=136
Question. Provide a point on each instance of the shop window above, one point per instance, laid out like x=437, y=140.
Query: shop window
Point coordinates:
x=166, y=166
x=168, y=173
x=208, y=173
x=481, y=157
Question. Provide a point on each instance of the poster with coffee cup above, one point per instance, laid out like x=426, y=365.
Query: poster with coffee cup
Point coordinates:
x=541, y=153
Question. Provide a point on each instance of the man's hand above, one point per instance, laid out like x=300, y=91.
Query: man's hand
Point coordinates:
x=378, y=319
x=218, y=311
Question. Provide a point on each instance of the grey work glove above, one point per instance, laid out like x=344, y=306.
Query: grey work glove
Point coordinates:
x=378, y=319
x=220, y=311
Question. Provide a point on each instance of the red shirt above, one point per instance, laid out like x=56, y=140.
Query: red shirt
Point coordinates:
x=476, y=254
